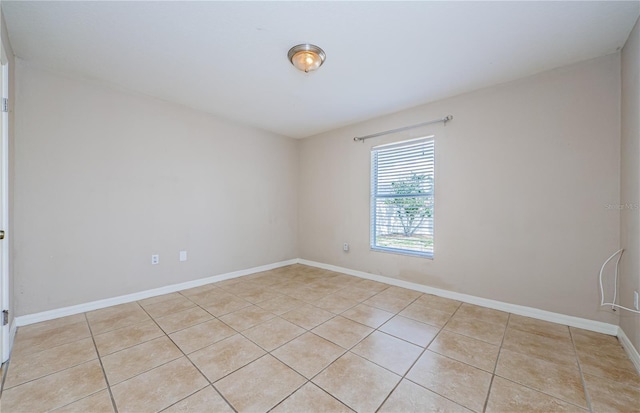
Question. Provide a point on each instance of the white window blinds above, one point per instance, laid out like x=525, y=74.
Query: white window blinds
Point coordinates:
x=402, y=190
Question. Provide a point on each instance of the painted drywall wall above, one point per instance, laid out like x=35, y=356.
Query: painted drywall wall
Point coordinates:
x=104, y=179
x=630, y=185
x=527, y=180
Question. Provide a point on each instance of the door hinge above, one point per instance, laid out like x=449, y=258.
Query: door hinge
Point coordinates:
x=5, y=105
x=5, y=317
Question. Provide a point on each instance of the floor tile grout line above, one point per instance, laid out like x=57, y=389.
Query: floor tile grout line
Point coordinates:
x=316, y=334
x=310, y=379
x=529, y=387
x=3, y=374
x=165, y=362
x=131, y=346
x=104, y=373
x=504, y=336
x=50, y=374
x=456, y=360
x=6, y=365
x=338, y=315
x=494, y=374
x=370, y=333
x=184, y=398
x=440, y=329
x=59, y=345
x=328, y=365
x=587, y=396
x=341, y=355
x=290, y=394
x=521, y=350
x=607, y=378
x=466, y=337
x=215, y=317
x=46, y=330
x=280, y=345
x=349, y=350
x=495, y=365
x=181, y=310
x=436, y=393
x=219, y=317
x=533, y=388
x=426, y=348
x=196, y=367
x=469, y=336
x=267, y=352
x=241, y=331
x=309, y=382
x=346, y=350
x=170, y=313
x=520, y=384
x=176, y=295
x=121, y=328
x=48, y=348
x=581, y=408
x=80, y=399
x=386, y=368
x=189, y=326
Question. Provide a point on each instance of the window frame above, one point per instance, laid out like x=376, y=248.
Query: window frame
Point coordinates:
x=373, y=197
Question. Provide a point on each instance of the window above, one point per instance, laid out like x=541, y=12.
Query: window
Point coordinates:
x=402, y=189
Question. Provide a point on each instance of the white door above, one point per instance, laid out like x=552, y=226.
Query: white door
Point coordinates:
x=4, y=210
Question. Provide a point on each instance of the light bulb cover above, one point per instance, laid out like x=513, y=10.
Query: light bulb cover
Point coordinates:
x=306, y=57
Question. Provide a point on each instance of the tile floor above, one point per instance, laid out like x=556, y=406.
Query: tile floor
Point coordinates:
x=300, y=339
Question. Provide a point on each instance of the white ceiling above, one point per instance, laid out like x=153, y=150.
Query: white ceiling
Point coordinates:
x=230, y=58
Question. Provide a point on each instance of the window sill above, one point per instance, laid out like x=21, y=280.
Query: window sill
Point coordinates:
x=403, y=252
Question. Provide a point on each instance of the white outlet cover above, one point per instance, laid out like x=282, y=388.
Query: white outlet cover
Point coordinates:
x=183, y=255
x=155, y=259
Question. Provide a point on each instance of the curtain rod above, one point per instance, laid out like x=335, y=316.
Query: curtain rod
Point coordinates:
x=374, y=135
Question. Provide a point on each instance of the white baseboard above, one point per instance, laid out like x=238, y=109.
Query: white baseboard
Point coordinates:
x=578, y=322
x=12, y=332
x=631, y=351
x=108, y=302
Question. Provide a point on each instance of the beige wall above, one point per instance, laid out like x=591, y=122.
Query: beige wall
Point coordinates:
x=630, y=185
x=104, y=179
x=524, y=173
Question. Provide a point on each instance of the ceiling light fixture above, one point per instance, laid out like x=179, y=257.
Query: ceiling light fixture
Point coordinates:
x=306, y=57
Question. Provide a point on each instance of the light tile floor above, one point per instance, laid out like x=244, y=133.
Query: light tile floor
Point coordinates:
x=301, y=339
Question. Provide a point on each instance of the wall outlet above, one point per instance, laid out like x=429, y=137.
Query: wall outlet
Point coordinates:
x=155, y=259
x=345, y=247
x=635, y=300
x=183, y=255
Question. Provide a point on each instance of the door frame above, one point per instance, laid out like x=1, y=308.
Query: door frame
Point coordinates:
x=5, y=334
